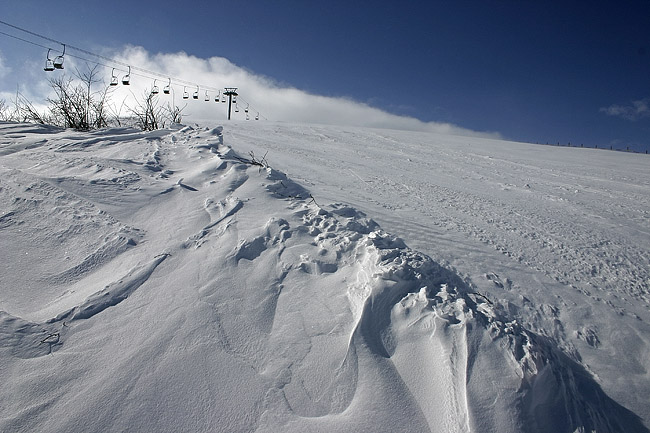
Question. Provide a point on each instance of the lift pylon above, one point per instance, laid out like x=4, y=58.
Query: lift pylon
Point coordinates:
x=230, y=91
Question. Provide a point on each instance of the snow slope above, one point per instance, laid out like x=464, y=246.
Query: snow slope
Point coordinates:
x=357, y=280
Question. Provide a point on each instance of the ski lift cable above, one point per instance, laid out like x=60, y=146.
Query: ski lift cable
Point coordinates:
x=153, y=74
x=99, y=56
x=250, y=106
x=25, y=40
x=143, y=72
x=54, y=49
x=73, y=55
x=30, y=32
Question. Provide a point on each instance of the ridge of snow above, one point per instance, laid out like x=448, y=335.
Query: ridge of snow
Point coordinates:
x=169, y=286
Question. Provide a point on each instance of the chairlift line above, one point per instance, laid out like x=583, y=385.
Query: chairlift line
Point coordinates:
x=248, y=108
x=57, y=62
x=111, y=62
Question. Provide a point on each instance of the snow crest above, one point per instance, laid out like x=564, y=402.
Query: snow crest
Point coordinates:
x=173, y=285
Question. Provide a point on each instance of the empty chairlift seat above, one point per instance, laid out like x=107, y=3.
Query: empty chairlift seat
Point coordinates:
x=126, y=80
x=58, y=60
x=114, y=80
x=49, y=64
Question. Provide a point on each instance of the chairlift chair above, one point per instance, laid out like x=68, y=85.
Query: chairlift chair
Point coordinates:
x=126, y=80
x=167, y=87
x=236, y=108
x=185, y=94
x=218, y=97
x=207, y=97
x=49, y=65
x=246, y=109
x=58, y=60
x=154, y=89
x=248, y=117
x=113, y=78
x=257, y=116
x=196, y=94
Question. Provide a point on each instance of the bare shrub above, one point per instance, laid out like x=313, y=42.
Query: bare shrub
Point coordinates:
x=174, y=113
x=5, y=112
x=75, y=103
x=69, y=107
x=147, y=112
x=26, y=112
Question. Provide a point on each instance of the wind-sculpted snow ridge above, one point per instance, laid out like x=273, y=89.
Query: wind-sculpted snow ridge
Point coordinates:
x=200, y=291
x=112, y=294
x=423, y=341
x=29, y=339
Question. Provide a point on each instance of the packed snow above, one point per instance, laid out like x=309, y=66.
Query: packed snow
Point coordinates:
x=272, y=277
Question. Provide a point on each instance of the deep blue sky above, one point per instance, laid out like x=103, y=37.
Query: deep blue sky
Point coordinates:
x=538, y=71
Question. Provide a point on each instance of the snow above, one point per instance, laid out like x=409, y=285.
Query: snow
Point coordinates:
x=355, y=279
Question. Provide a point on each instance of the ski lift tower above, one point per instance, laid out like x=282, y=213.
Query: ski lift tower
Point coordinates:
x=230, y=91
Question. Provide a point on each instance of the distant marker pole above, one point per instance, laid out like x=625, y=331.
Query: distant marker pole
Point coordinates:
x=230, y=91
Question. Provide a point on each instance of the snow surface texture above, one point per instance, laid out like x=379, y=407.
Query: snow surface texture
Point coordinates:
x=160, y=282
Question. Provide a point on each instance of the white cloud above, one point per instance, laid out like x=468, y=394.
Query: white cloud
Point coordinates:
x=273, y=101
x=634, y=111
x=4, y=69
x=25, y=80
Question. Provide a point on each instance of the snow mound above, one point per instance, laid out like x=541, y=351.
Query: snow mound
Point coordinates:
x=177, y=286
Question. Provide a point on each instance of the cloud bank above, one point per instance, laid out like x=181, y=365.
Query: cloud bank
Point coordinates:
x=262, y=95
x=4, y=69
x=268, y=98
x=633, y=111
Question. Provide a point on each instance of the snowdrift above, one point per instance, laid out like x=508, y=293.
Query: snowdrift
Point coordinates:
x=166, y=281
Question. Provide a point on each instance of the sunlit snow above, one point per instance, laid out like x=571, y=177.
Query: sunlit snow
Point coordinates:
x=271, y=277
